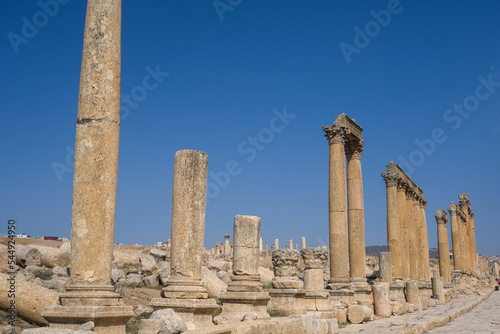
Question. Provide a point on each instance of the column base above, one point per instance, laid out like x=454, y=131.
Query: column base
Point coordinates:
x=285, y=302
x=239, y=306
x=319, y=305
x=362, y=293
x=184, y=289
x=106, y=319
x=196, y=313
x=397, y=297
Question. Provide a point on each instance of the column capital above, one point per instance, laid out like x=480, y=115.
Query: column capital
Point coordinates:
x=441, y=217
x=423, y=201
x=391, y=179
x=453, y=209
x=314, y=258
x=335, y=133
x=409, y=192
x=472, y=215
x=353, y=148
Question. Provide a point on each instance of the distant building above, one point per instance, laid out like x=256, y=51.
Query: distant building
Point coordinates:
x=23, y=235
x=51, y=238
x=64, y=239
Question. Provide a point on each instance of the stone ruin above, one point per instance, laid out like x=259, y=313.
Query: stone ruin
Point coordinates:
x=298, y=299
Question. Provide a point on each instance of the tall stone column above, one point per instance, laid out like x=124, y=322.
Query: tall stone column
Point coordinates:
x=404, y=231
x=244, y=298
x=356, y=211
x=227, y=246
x=290, y=244
x=443, y=246
x=473, y=240
x=95, y=179
x=276, y=243
x=412, y=235
x=339, y=254
x=393, y=226
x=184, y=291
x=456, y=239
x=419, y=236
x=425, y=242
x=261, y=245
x=303, y=242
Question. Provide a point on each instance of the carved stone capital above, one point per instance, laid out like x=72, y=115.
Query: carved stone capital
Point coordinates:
x=391, y=179
x=285, y=262
x=335, y=133
x=441, y=216
x=314, y=258
x=353, y=149
x=410, y=193
x=453, y=209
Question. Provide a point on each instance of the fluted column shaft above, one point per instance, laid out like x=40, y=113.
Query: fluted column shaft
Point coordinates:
x=443, y=246
x=96, y=148
x=393, y=224
x=404, y=232
x=339, y=255
x=356, y=211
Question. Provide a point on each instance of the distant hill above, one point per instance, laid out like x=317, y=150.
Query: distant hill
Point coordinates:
x=374, y=250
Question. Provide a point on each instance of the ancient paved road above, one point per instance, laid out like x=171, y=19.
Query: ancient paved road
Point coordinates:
x=482, y=319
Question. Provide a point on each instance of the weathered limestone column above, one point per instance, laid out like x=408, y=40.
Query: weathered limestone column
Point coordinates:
x=317, y=301
x=184, y=292
x=260, y=245
x=244, y=298
x=227, y=246
x=95, y=172
x=393, y=224
x=425, y=242
x=443, y=246
x=381, y=301
x=287, y=295
x=385, y=266
x=267, y=247
x=356, y=211
x=413, y=294
x=412, y=235
x=303, y=239
x=419, y=235
x=473, y=240
x=456, y=239
x=276, y=243
x=404, y=231
x=339, y=254
x=290, y=244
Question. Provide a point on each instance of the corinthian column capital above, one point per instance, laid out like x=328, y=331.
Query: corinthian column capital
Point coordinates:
x=335, y=133
x=353, y=149
x=391, y=179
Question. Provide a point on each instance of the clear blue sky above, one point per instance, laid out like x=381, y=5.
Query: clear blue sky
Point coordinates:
x=231, y=69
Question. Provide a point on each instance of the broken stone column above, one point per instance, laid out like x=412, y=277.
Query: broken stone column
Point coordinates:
x=287, y=295
x=438, y=289
x=290, y=244
x=357, y=314
x=443, y=246
x=381, y=299
x=276, y=243
x=317, y=301
x=413, y=294
x=184, y=291
x=385, y=266
x=28, y=256
x=339, y=254
x=227, y=246
x=52, y=256
x=393, y=226
x=90, y=295
x=303, y=239
x=260, y=245
x=245, y=298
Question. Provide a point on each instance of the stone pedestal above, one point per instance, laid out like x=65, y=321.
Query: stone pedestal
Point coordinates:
x=397, y=297
x=362, y=294
x=245, y=298
x=90, y=295
x=287, y=295
x=184, y=291
x=413, y=294
x=438, y=289
x=385, y=266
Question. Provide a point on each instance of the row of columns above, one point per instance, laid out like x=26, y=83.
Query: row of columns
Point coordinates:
x=463, y=235
x=346, y=208
x=407, y=234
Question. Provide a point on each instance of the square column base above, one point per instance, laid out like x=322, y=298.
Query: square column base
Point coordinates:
x=319, y=305
x=106, y=319
x=239, y=306
x=340, y=293
x=362, y=294
x=285, y=302
x=397, y=297
x=196, y=313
